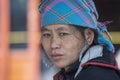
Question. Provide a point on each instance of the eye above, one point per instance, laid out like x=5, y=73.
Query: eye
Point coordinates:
x=46, y=35
x=63, y=34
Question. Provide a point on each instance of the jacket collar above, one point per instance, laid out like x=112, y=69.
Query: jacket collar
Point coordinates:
x=107, y=60
x=91, y=53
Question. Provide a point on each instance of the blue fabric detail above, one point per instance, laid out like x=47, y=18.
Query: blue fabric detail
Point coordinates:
x=108, y=43
x=62, y=8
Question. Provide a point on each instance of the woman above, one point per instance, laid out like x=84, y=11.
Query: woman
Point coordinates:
x=73, y=40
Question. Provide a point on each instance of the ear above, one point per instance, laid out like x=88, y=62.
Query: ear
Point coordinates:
x=89, y=36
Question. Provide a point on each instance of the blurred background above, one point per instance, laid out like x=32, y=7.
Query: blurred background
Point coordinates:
x=20, y=36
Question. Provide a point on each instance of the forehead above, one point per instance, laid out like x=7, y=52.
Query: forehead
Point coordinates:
x=57, y=27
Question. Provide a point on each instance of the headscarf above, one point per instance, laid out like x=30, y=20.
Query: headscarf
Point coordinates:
x=76, y=12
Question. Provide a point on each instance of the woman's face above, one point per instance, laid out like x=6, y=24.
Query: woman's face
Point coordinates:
x=62, y=44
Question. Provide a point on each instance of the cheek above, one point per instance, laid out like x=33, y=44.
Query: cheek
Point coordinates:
x=73, y=44
x=46, y=46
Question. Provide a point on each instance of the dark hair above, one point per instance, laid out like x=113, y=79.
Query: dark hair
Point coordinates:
x=81, y=29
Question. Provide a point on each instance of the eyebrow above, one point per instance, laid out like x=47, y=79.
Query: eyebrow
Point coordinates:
x=61, y=29
x=44, y=29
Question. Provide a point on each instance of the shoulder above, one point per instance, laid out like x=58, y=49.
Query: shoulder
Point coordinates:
x=100, y=68
x=97, y=73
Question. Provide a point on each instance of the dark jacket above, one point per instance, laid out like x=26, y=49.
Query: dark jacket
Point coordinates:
x=100, y=68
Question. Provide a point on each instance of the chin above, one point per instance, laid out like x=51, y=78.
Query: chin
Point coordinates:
x=60, y=65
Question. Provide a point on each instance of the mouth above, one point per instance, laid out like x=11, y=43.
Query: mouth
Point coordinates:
x=56, y=57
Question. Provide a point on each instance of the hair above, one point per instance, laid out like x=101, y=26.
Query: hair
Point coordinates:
x=95, y=41
x=81, y=30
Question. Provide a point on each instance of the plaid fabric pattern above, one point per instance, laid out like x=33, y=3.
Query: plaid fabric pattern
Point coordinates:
x=76, y=12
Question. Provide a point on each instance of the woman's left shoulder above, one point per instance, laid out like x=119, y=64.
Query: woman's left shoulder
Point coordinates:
x=98, y=73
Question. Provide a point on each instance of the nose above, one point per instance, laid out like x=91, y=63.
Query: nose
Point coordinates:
x=55, y=43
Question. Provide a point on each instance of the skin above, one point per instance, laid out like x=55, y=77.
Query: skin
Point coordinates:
x=63, y=44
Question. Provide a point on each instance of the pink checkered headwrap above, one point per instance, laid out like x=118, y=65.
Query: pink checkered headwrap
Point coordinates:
x=77, y=12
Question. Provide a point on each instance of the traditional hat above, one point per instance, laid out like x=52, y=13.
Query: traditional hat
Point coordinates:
x=77, y=12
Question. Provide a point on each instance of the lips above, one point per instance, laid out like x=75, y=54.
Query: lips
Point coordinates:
x=56, y=57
